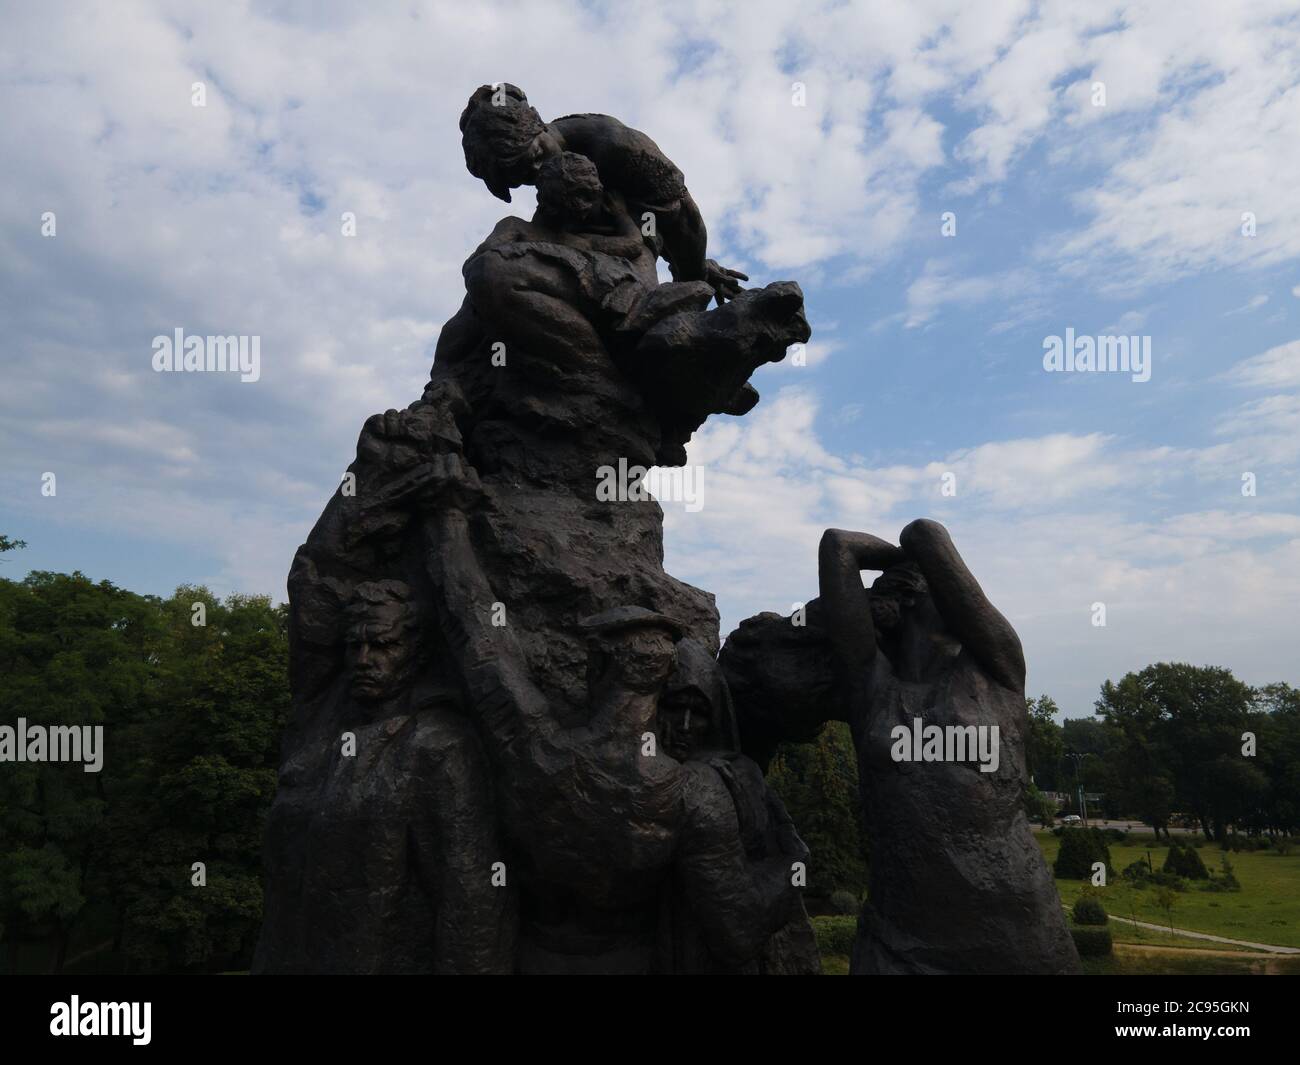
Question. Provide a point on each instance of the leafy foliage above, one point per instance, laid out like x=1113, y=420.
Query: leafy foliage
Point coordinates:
x=1184, y=861
x=818, y=782
x=1092, y=942
x=1178, y=730
x=191, y=718
x=835, y=935
x=1089, y=910
x=1080, y=849
x=1044, y=744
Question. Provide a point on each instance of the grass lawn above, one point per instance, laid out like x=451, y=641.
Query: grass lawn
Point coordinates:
x=1265, y=910
x=1129, y=960
x=1145, y=937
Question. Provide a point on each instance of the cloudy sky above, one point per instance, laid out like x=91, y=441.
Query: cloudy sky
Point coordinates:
x=1132, y=216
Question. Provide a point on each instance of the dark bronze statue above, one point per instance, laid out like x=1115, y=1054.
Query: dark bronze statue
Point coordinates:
x=513, y=746
x=957, y=881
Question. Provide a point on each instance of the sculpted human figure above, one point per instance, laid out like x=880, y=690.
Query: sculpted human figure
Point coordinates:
x=957, y=882
x=387, y=820
x=735, y=907
x=608, y=821
x=576, y=287
x=551, y=282
x=429, y=743
x=506, y=142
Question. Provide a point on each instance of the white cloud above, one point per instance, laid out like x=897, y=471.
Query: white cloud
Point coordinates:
x=1279, y=367
x=226, y=219
x=1252, y=304
x=1048, y=525
x=939, y=285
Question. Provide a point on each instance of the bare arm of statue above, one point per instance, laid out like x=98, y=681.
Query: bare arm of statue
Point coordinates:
x=841, y=558
x=492, y=662
x=963, y=605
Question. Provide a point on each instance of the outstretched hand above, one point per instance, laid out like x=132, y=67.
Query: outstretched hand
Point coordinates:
x=725, y=282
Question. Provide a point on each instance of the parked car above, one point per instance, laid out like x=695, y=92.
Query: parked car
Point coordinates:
x=1071, y=819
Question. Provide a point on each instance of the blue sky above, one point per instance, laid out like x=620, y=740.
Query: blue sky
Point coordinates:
x=926, y=359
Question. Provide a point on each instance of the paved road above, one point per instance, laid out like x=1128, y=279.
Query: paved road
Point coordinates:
x=1139, y=826
x=1270, y=948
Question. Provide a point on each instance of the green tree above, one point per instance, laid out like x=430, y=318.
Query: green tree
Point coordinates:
x=1038, y=807
x=192, y=716
x=68, y=656
x=1044, y=743
x=1275, y=722
x=1167, y=899
x=1080, y=849
x=818, y=782
x=1179, y=730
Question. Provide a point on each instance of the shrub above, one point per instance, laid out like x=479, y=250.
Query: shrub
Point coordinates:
x=1139, y=872
x=1228, y=877
x=1089, y=910
x=844, y=903
x=1115, y=835
x=1038, y=807
x=1080, y=848
x=1092, y=942
x=835, y=935
x=1185, y=861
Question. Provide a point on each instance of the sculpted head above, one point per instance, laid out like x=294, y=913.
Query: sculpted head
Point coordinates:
x=631, y=647
x=695, y=713
x=504, y=138
x=896, y=591
x=382, y=639
x=568, y=187
x=909, y=627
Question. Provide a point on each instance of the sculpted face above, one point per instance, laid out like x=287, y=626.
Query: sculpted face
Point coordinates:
x=685, y=724
x=885, y=613
x=911, y=631
x=522, y=168
x=642, y=657
x=381, y=643
x=688, y=710
x=893, y=593
x=568, y=186
x=504, y=138
x=544, y=147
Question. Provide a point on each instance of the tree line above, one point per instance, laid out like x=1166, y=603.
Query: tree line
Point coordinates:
x=152, y=864
x=1177, y=743
x=1173, y=743
x=101, y=870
